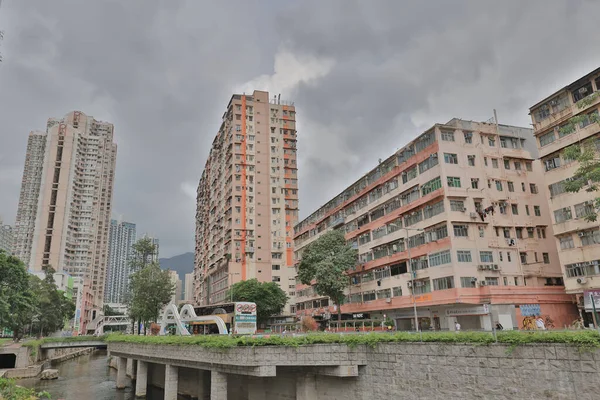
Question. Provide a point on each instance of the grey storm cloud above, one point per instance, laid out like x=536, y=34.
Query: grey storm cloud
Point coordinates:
x=366, y=77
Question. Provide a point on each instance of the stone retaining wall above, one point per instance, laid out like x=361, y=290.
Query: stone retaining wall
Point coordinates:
x=389, y=371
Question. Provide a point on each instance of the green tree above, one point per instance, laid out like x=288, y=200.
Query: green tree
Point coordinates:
x=53, y=307
x=109, y=311
x=326, y=260
x=151, y=289
x=268, y=296
x=17, y=301
x=587, y=175
x=144, y=251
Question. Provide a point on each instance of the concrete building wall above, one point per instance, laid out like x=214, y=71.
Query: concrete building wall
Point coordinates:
x=189, y=288
x=6, y=238
x=464, y=203
x=248, y=199
x=576, y=237
x=67, y=196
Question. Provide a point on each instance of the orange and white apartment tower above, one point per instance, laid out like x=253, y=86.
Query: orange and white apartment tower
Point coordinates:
x=463, y=203
x=247, y=202
x=63, y=217
x=567, y=117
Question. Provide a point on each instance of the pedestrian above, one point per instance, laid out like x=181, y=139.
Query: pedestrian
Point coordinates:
x=457, y=327
x=539, y=322
x=499, y=326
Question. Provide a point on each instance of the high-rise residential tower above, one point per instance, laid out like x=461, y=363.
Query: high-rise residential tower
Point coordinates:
x=455, y=225
x=567, y=117
x=64, y=210
x=247, y=200
x=122, y=236
x=6, y=238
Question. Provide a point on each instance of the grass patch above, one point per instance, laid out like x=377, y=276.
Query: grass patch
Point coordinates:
x=582, y=339
x=4, y=341
x=11, y=391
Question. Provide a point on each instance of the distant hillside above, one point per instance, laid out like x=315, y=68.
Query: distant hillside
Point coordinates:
x=183, y=264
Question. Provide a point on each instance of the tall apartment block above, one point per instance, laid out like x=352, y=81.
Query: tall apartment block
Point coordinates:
x=453, y=223
x=6, y=238
x=567, y=117
x=65, y=204
x=248, y=199
x=122, y=236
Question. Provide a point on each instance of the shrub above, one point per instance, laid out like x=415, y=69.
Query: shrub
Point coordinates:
x=9, y=390
x=309, y=324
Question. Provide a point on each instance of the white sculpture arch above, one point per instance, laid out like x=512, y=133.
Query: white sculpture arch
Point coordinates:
x=171, y=315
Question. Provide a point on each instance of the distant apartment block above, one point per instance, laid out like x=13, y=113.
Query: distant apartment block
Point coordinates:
x=567, y=117
x=122, y=236
x=65, y=203
x=455, y=222
x=6, y=238
x=188, y=291
x=247, y=200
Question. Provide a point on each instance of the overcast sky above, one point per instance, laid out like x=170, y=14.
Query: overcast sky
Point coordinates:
x=366, y=77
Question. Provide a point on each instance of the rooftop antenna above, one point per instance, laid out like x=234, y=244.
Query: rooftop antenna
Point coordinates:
x=279, y=98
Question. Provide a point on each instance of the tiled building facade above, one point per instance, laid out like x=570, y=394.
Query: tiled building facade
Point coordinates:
x=463, y=203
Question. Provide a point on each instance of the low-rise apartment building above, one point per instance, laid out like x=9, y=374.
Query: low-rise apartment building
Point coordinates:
x=463, y=203
x=567, y=117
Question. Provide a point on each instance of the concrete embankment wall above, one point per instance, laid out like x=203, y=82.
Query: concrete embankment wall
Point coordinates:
x=388, y=371
x=31, y=364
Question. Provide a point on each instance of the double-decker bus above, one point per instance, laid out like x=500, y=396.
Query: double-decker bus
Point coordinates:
x=239, y=317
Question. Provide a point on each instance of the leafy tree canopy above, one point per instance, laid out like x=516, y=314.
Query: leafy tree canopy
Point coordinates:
x=17, y=301
x=53, y=307
x=326, y=260
x=587, y=175
x=268, y=296
x=151, y=289
x=143, y=253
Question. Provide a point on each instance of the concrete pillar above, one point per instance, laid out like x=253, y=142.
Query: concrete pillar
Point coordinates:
x=256, y=389
x=131, y=364
x=171, y=382
x=141, y=381
x=306, y=387
x=122, y=373
x=218, y=386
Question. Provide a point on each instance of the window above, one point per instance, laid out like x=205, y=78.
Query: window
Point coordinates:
x=500, y=256
x=432, y=210
x=448, y=136
x=491, y=281
x=499, y=186
x=517, y=165
x=527, y=209
x=506, y=164
x=557, y=188
x=530, y=232
x=511, y=186
x=523, y=257
x=503, y=142
x=537, y=211
x=450, y=158
x=471, y=161
x=453, y=181
x=409, y=174
x=485, y=161
x=464, y=256
x=275, y=267
x=481, y=231
x=492, y=141
x=505, y=281
x=506, y=232
x=475, y=183
x=546, y=258
x=397, y=291
x=528, y=166
x=486, y=256
x=428, y=163
x=519, y=232
x=468, y=137
x=541, y=233
x=566, y=242
x=494, y=162
x=443, y=283
x=457, y=205
x=533, y=188
x=443, y=257
x=562, y=215
x=468, y=281
x=431, y=186
x=515, y=209
x=461, y=230
x=584, y=209
x=547, y=138
x=508, y=256
x=276, y=279
x=589, y=237
x=523, y=186
x=422, y=286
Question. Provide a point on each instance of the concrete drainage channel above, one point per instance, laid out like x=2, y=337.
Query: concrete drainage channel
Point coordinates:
x=18, y=363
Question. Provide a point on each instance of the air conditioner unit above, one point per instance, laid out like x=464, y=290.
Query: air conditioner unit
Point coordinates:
x=582, y=280
x=490, y=267
x=464, y=209
x=473, y=280
x=388, y=300
x=511, y=242
x=394, y=247
x=481, y=267
x=409, y=284
x=434, y=155
x=495, y=267
x=554, y=102
x=582, y=90
x=581, y=234
x=473, y=215
x=482, y=283
x=418, y=283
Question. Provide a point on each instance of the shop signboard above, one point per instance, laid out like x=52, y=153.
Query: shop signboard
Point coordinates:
x=476, y=310
x=587, y=300
x=530, y=310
